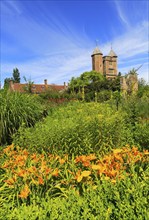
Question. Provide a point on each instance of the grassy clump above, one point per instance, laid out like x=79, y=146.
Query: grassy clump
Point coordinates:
x=17, y=109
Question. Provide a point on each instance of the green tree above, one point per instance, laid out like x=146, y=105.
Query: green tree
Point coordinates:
x=6, y=82
x=94, y=82
x=15, y=78
x=143, y=88
x=16, y=75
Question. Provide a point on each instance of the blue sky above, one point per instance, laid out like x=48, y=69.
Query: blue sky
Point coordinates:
x=54, y=40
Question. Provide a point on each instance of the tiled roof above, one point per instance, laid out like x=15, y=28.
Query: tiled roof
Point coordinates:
x=36, y=88
x=96, y=51
x=112, y=53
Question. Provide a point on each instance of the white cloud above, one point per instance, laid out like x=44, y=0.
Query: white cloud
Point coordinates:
x=10, y=8
x=60, y=66
x=121, y=12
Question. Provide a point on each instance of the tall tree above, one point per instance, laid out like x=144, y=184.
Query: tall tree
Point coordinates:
x=16, y=75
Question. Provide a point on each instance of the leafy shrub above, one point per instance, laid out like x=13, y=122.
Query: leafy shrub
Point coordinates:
x=78, y=128
x=17, y=109
x=136, y=108
x=141, y=134
x=104, y=95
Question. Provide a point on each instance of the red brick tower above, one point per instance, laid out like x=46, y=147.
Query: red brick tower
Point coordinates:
x=110, y=65
x=97, y=60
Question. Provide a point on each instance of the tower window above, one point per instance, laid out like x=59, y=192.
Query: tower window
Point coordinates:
x=111, y=71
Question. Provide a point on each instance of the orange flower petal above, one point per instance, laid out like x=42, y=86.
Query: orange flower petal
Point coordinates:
x=24, y=192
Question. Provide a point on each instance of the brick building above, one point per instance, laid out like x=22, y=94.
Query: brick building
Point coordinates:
x=36, y=88
x=106, y=65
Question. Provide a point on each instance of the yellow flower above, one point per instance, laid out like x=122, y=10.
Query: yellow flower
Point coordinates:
x=79, y=178
x=113, y=181
x=61, y=161
x=107, y=178
x=55, y=172
x=146, y=152
x=86, y=173
x=97, y=167
x=116, y=151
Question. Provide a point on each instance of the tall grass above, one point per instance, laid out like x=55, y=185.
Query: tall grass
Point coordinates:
x=17, y=109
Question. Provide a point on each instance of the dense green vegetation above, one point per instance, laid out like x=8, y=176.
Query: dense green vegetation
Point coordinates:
x=78, y=128
x=17, y=109
x=94, y=85
x=76, y=160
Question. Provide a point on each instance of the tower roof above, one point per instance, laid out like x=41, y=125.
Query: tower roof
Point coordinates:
x=112, y=53
x=96, y=51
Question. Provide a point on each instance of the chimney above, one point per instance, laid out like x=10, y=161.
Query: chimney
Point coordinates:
x=64, y=85
x=11, y=86
x=45, y=82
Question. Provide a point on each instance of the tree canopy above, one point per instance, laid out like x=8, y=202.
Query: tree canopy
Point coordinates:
x=16, y=75
x=15, y=78
x=93, y=82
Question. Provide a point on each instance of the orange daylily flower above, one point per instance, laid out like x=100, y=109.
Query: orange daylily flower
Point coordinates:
x=9, y=148
x=80, y=158
x=6, y=165
x=25, y=152
x=112, y=173
x=43, y=166
x=91, y=157
x=10, y=181
x=22, y=173
x=134, y=149
x=97, y=167
x=106, y=178
x=113, y=181
x=24, y=192
x=79, y=178
x=34, y=158
x=118, y=157
x=32, y=169
x=116, y=151
x=146, y=152
x=86, y=173
x=48, y=170
x=55, y=172
x=34, y=181
x=61, y=161
x=101, y=171
x=86, y=163
x=40, y=180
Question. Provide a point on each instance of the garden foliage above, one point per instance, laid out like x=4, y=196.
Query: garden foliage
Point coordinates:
x=82, y=161
x=17, y=109
x=46, y=186
x=78, y=128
